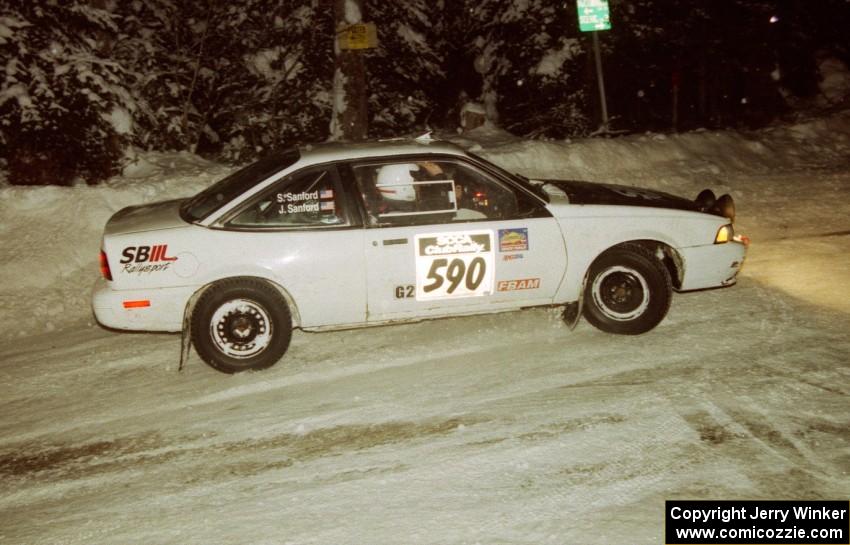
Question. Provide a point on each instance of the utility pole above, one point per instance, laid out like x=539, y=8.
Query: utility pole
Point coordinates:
x=593, y=16
x=350, y=118
x=600, y=80
x=675, y=82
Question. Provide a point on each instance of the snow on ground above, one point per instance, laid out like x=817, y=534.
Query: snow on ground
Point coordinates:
x=51, y=238
x=496, y=429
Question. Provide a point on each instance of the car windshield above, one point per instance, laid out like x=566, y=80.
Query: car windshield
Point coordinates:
x=518, y=178
x=222, y=192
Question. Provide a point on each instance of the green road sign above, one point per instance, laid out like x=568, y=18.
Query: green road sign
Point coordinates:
x=593, y=15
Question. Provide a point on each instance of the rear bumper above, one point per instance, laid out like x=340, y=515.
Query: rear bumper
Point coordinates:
x=712, y=266
x=140, y=310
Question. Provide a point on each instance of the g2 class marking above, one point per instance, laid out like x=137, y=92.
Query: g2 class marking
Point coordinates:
x=405, y=292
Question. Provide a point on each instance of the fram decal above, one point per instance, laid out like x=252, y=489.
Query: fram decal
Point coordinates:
x=522, y=284
x=146, y=259
x=512, y=257
x=513, y=240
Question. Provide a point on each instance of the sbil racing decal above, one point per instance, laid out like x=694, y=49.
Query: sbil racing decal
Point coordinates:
x=146, y=259
x=454, y=265
x=522, y=284
x=513, y=240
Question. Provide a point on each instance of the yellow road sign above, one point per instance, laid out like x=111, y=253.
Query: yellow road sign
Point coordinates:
x=359, y=36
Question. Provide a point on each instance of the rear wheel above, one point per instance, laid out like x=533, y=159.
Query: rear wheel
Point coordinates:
x=241, y=325
x=628, y=291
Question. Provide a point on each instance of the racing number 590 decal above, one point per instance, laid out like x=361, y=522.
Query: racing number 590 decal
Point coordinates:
x=454, y=265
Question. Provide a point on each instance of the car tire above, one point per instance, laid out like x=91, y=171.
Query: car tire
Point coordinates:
x=628, y=291
x=241, y=324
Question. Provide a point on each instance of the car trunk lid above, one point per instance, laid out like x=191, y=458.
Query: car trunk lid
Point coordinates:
x=146, y=217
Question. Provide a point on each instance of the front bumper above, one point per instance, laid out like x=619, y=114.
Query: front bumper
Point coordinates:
x=159, y=309
x=712, y=266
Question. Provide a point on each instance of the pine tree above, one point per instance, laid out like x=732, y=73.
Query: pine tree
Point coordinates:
x=65, y=107
x=532, y=60
x=406, y=72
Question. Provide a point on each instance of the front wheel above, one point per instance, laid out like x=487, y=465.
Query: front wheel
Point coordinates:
x=241, y=325
x=628, y=291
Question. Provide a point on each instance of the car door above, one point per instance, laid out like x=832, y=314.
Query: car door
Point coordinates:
x=444, y=237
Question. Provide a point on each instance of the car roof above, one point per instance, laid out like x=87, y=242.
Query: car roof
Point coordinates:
x=318, y=154
x=338, y=151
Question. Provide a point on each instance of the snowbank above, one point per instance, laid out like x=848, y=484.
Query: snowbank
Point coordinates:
x=51, y=235
x=51, y=238
x=679, y=162
x=835, y=82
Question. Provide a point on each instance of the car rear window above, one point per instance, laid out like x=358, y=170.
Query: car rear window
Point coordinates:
x=308, y=198
x=222, y=192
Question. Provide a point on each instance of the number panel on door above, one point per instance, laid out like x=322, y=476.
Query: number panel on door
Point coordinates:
x=453, y=265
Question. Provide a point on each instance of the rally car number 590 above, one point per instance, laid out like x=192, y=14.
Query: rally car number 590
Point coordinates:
x=457, y=264
x=344, y=235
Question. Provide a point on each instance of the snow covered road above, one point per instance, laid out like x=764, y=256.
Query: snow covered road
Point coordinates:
x=504, y=428
x=497, y=429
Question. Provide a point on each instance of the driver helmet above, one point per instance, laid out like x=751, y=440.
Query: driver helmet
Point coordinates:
x=395, y=182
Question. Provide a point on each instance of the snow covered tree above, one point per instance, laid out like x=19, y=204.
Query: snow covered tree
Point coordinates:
x=261, y=74
x=65, y=109
x=85, y=79
x=406, y=74
x=532, y=60
x=152, y=45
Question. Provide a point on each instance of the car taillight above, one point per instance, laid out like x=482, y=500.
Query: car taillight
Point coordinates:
x=104, y=266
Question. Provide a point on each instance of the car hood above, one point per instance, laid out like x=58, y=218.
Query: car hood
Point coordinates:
x=146, y=217
x=616, y=195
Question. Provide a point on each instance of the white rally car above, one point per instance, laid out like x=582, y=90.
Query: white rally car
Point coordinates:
x=338, y=236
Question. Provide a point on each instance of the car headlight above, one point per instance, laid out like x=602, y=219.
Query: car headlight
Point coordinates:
x=724, y=234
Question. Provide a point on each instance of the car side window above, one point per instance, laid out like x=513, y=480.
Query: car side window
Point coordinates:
x=303, y=199
x=425, y=192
